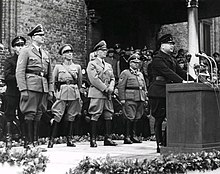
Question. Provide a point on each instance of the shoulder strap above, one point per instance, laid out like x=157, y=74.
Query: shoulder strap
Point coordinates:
x=68, y=71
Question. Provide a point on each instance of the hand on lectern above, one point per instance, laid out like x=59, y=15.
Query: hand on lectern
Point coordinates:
x=184, y=81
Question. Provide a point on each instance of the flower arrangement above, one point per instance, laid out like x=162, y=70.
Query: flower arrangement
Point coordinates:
x=173, y=164
x=31, y=161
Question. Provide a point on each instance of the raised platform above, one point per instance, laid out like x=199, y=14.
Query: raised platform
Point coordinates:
x=62, y=158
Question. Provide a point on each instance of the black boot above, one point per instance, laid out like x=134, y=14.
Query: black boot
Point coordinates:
x=93, y=134
x=69, y=134
x=158, y=132
x=127, y=139
x=36, y=133
x=23, y=133
x=134, y=137
x=53, y=134
x=29, y=134
x=108, y=140
x=8, y=135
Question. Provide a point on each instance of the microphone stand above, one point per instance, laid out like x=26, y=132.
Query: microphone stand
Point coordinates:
x=215, y=68
x=188, y=57
x=210, y=62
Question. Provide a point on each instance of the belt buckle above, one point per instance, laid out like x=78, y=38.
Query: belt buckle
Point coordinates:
x=140, y=87
x=41, y=74
x=68, y=82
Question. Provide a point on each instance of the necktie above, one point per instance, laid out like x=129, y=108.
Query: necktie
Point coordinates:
x=103, y=62
x=40, y=52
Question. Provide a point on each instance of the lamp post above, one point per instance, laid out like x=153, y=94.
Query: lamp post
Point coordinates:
x=193, y=34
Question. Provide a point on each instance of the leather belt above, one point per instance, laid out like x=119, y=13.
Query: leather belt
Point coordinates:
x=42, y=74
x=68, y=82
x=135, y=88
x=161, y=78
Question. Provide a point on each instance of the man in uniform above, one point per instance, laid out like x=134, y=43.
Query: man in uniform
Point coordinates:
x=112, y=61
x=165, y=70
x=34, y=78
x=68, y=80
x=101, y=77
x=12, y=94
x=132, y=94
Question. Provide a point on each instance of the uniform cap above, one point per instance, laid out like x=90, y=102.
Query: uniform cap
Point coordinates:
x=167, y=38
x=65, y=48
x=38, y=30
x=134, y=58
x=17, y=41
x=117, y=46
x=100, y=46
x=110, y=50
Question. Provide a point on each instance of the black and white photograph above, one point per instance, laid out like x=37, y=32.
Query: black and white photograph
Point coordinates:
x=109, y=86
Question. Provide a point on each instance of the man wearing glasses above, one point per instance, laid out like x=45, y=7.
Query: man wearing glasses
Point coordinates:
x=34, y=78
x=101, y=77
x=165, y=70
x=12, y=94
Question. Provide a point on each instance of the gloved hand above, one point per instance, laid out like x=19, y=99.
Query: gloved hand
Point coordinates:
x=50, y=95
x=122, y=102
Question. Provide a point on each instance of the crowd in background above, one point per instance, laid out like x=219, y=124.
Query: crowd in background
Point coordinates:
x=111, y=72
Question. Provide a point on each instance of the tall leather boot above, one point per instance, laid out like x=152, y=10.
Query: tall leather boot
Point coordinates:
x=23, y=132
x=53, y=134
x=36, y=133
x=93, y=133
x=127, y=139
x=30, y=134
x=8, y=135
x=22, y=128
x=134, y=137
x=158, y=132
x=69, y=125
x=108, y=140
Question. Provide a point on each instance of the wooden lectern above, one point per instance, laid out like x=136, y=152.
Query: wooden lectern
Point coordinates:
x=193, y=118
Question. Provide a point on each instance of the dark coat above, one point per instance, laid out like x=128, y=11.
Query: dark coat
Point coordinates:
x=166, y=66
x=9, y=73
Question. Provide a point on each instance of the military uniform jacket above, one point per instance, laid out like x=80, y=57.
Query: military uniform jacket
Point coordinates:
x=68, y=91
x=132, y=86
x=34, y=71
x=114, y=63
x=165, y=66
x=9, y=73
x=100, y=76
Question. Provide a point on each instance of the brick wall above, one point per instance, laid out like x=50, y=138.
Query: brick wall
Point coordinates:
x=64, y=22
x=179, y=31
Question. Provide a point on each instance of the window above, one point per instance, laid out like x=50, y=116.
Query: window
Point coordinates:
x=205, y=37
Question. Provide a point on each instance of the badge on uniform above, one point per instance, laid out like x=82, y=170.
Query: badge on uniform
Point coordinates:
x=20, y=61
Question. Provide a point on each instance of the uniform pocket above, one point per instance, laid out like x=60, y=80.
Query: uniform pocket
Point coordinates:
x=32, y=60
x=129, y=94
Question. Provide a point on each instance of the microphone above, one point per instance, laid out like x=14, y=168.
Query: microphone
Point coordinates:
x=201, y=55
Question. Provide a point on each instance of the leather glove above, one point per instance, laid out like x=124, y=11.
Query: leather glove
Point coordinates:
x=50, y=95
x=110, y=90
x=122, y=102
x=24, y=95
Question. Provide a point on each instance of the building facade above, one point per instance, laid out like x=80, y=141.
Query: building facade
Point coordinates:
x=78, y=23
x=65, y=21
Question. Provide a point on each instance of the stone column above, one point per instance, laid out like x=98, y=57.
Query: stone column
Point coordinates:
x=193, y=34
